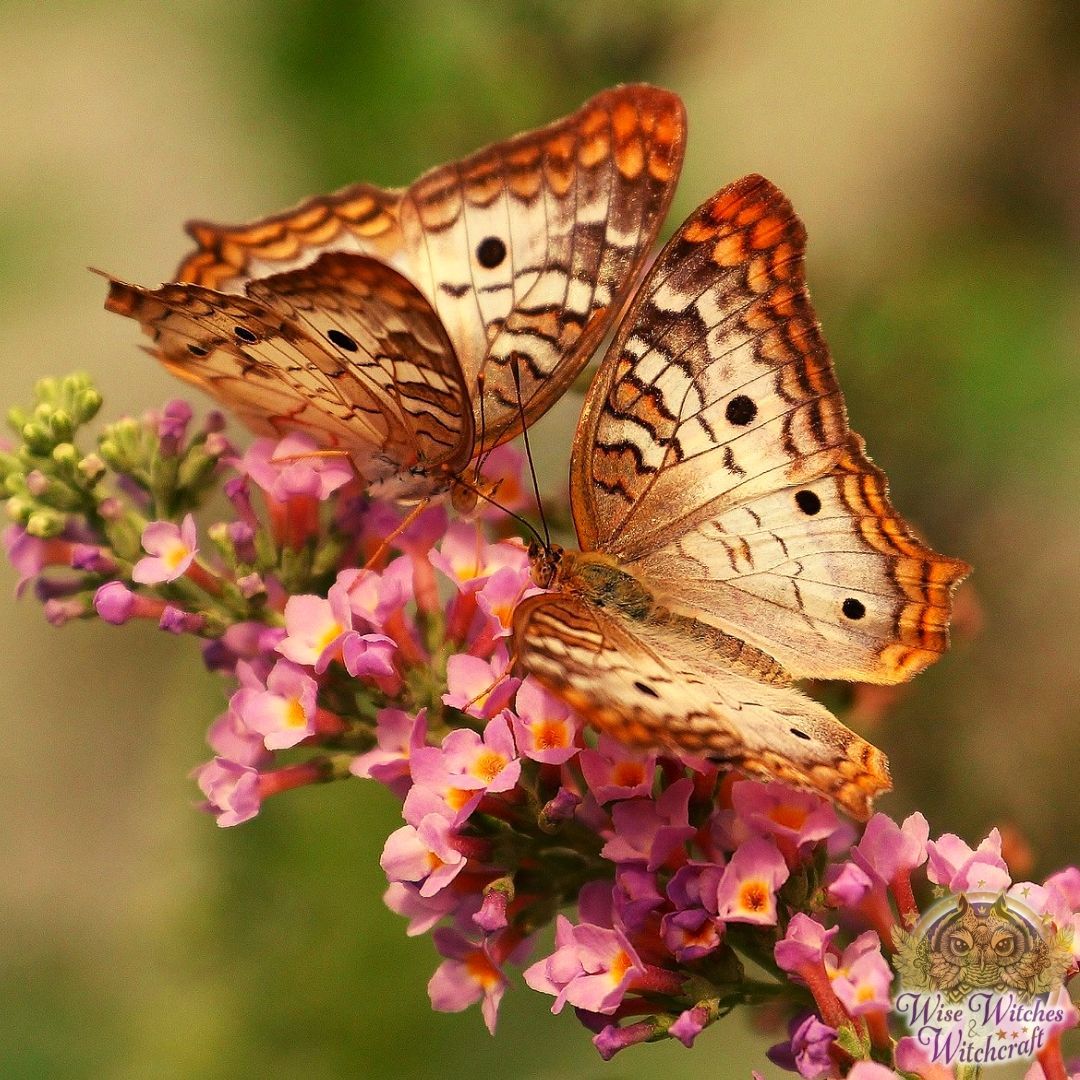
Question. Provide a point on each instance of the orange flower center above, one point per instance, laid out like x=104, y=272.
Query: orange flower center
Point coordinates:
x=628, y=773
x=788, y=816
x=294, y=714
x=619, y=966
x=488, y=765
x=753, y=896
x=550, y=735
x=481, y=970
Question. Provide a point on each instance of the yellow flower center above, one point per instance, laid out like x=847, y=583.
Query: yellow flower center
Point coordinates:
x=488, y=765
x=481, y=970
x=175, y=555
x=619, y=966
x=332, y=630
x=628, y=773
x=753, y=896
x=294, y=714
x=549, y=735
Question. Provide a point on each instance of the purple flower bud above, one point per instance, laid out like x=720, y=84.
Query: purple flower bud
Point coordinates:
x=175, y=621
x=93, y=559
x=114, y=602
x=58, y=612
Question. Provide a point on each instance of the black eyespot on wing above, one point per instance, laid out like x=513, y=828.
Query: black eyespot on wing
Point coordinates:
x=645, y=688
x=740, y=410
x=490, y=252
x=800, y=734
x=196, y=350
x=342, y=340
x=852, y=608
x=244, y=334
x=807, y=502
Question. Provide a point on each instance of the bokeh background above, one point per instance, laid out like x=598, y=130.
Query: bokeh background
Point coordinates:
x=933, y=151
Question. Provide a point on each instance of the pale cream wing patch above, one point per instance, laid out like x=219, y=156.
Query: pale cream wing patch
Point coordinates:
x=313, y=353
x=526, y=249
x=716, y=405
x=824, y=576
x=647, y=687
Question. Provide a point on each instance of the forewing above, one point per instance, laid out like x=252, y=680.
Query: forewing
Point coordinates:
x=382, y=342
x=526, y=249
x=321, y=350
x=716, y=404
x=529, y=247
x=648, y=688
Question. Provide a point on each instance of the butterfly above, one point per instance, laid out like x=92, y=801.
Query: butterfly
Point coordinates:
x=418, y=328
x=734, y=535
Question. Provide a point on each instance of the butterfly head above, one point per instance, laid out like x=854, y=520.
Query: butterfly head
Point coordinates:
x=544, y=562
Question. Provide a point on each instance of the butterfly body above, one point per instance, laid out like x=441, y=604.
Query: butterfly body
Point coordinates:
x=735, y=536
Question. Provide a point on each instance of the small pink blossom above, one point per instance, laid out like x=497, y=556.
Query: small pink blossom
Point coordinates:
x=293, y=467
x=399, y=736
x=230, y=738
x=690, y=934
x=468, y=560
x=374, y=597
x=470, y=762
x=314, y=629
x=795, y=819
x=231, y=790
x=862, y=977
x=469, y=974
x=284, y=712
x=545, y=727
x=651, y=831
x=423, y=912
x=747, y=890
x=805, y=942
x=615, y=771
x=478, y=687
x=592, y=967
x=960, y=869
x=689, y=1025
x=807, y=1050
x=871, y=1070
x=425, y=855
x=171, y=550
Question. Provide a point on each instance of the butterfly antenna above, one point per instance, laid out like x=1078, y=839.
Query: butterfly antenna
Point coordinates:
x=515, y=370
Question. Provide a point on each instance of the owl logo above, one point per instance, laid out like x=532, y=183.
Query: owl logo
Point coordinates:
x=982, y=942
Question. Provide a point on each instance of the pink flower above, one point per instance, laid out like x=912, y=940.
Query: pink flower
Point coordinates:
x=315, y=628
x=283, y=713
x=690, y=934
x=470, y=762
x=230, y=738
x=651, y=831
x=871, y=1070
x=374, y=597
x=469, y=974
x=545, y=727
x=912, y=1058
x=293, y=467
x=425, y=855
x=747, y=890
x=635, y=897
x=423, y=912
x=479, y=687
x=862, y=977
x=231, y=790
x=954, y=864
x=592, y=967
x=795, y=819
x=399, y=736
x=468, y=560
x=807, y=1050
x=371, y=656
x=689, y=1025
x=804, y=943
x=888, y=850
x=615, y=771
x=171, y=550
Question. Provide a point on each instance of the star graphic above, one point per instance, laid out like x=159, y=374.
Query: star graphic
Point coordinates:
x=981, y=883
x=1000, y=1033
x=1025, y=891
x=939, y=891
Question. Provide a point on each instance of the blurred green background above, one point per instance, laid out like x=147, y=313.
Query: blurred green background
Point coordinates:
x=933, y=151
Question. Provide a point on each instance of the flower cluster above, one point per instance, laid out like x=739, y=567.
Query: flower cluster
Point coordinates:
x=359, y=640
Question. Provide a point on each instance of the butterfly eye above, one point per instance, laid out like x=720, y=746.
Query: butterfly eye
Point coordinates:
x=244, y=334
x=490, y=252
x=342, y=340
x=196, y=350
x=853, y=609
x=807, y=502
x=740, y=410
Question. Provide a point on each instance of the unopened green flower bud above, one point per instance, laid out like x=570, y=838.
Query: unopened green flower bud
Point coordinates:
x=63, y=426
x=19, y=509
x=17, y=418
x=91, y=467
x=45, y=524
x=65, y=454
x=47, y=389
x=38, y=437
x=86, y=404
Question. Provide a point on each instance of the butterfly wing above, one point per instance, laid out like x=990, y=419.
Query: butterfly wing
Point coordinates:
x=526, y=249
x=346, y=349
x=635, y=680
x=714, y=459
